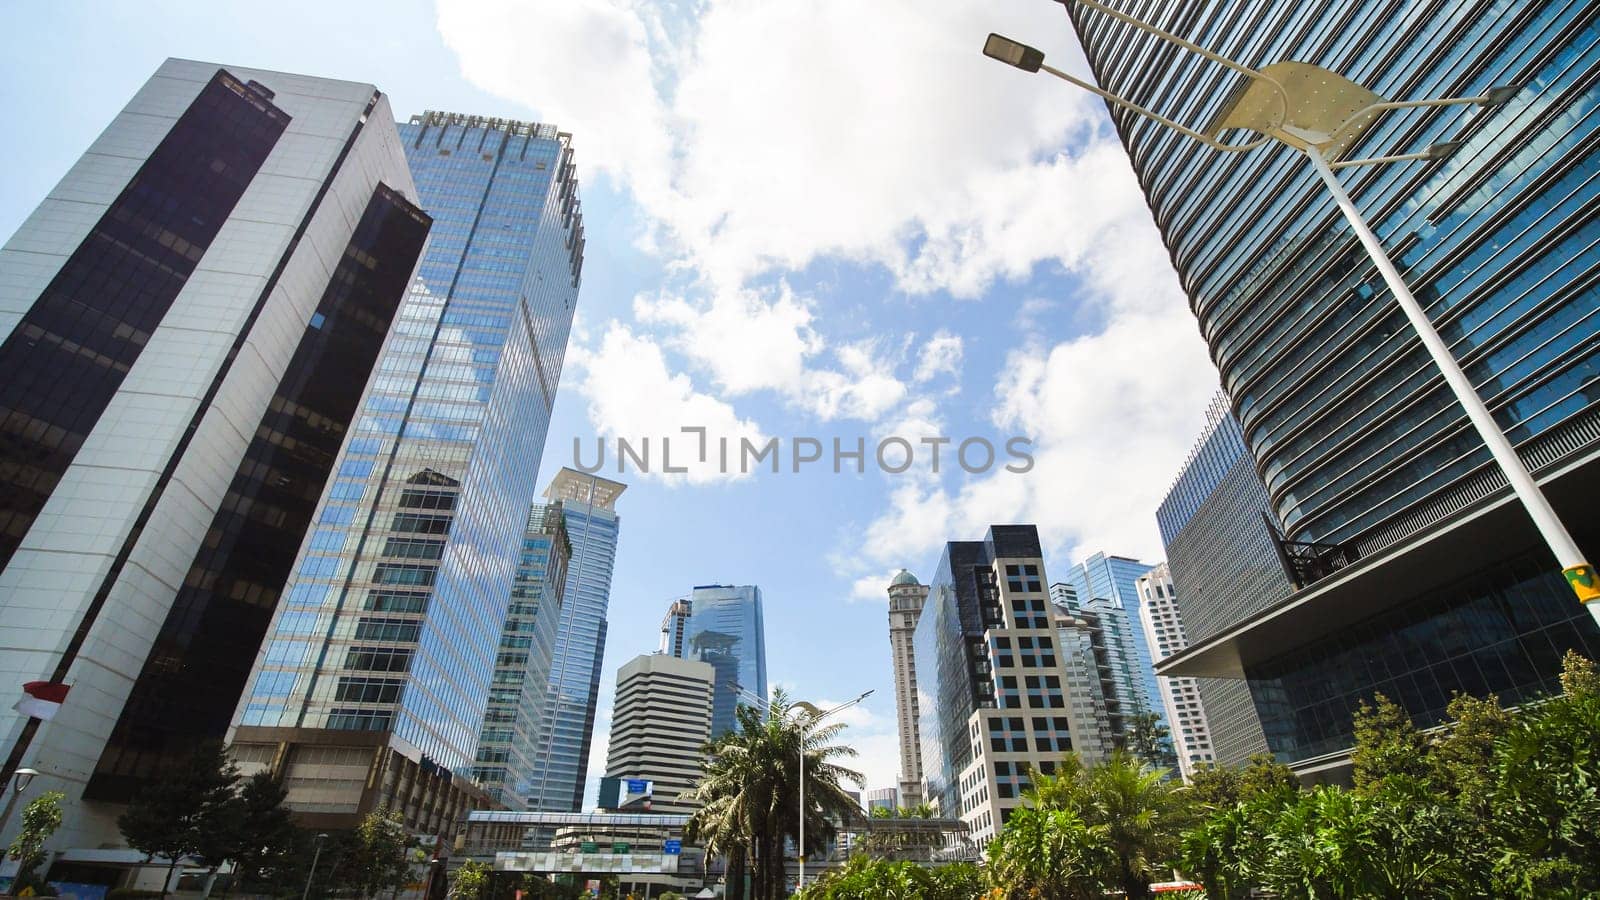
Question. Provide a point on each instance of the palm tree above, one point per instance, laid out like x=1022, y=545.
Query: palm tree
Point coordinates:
x=1140, y=810
x=1144, y=816
x=749, y=797
x=1049, y=854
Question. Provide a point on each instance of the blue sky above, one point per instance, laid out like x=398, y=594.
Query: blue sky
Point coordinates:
x=812, y=218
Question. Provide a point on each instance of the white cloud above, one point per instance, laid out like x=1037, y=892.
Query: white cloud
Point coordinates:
x=748, y=340
x=940, y=355
x=764, y=135
x=584, y=65
x=873, y=588
x=1099, y=409
x=759, y=137
x=633, y=395
x=845, y=128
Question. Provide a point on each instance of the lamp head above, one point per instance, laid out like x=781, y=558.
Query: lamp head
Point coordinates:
x=1496, y=96
x=24, y=777
x=1443, y=150
x=1013, y=53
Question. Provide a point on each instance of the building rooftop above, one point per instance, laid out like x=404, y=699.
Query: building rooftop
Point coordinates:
x=579, y=487
x=905, y=577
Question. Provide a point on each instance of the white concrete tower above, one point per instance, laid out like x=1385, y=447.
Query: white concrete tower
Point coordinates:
x=662, y=719
x=906, y=597
x=1163, y=628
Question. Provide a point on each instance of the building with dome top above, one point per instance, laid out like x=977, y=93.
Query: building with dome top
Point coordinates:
x=906, y=596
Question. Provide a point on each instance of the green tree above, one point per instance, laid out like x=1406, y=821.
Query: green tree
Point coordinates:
x=40, y=819
x=185, y=810
x=1140, y=811
x=1387, y=744
x=748, y=798
x=1237, y=808
x=1221, y=787
x=1545, y=799
x=376, y=857
x=1149, y=740
x=265, y=845
x=1143, y=813
x=864, y=878
x=1223, y=852
x=1047, y=853
x=469, y=881
x=1264, y=776
x=1393, y=844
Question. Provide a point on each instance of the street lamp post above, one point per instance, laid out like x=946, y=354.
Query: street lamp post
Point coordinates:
x=816, y=715
x=19, y=783
x=318, y=841
x=1323, y=114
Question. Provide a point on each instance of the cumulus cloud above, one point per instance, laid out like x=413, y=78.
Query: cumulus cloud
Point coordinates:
x=760, y=137
x=1099, y=409
x=940, y=355
x=632, y=394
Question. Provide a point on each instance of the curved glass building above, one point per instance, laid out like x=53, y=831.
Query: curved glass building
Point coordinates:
x=1356, y=438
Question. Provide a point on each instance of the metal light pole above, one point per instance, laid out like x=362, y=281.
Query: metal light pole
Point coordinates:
x=816, y=715
x=313, y=873
x=1322, y=114
x=19, y=783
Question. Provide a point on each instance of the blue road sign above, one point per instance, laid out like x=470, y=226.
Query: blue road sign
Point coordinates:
x=672, y=848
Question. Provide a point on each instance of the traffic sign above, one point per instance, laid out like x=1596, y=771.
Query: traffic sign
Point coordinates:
x=672, y=848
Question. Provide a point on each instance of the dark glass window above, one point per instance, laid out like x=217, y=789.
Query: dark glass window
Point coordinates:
x=68, y=355
x=1502, y=631
x=203, y=654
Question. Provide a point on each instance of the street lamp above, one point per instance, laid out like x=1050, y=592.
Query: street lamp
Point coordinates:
x=19, y=782
x=1322, y=114
x=318, y=841
x=816, y=715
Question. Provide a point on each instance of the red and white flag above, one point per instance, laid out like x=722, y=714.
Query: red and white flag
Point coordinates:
x=41, y=699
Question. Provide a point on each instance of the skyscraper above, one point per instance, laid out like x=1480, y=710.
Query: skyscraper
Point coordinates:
x=906, y=596
x=1418, y=574
x=673, y=625
x=1224, y=564
x=1089, y=658
x=374, y=678
x=1108, y=585
x=522, y=670
x=725, y=627
x=991, y=684
x=1180, y=697
x=661, y=720
x=880, y=798
x=187, y=320
x=561, y=751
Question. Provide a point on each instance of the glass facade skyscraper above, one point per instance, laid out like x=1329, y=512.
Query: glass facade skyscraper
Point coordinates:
x=1108, y=585
x=561, y=750
x=1358, y=441
x=390, y=626
x=506, y=746
x=724, y=627
x=1225, y=565
x=186, y=323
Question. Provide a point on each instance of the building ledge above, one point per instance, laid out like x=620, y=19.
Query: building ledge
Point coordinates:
x=1497, y=528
